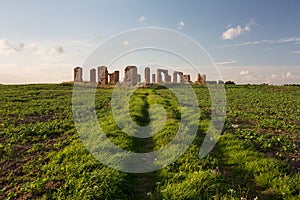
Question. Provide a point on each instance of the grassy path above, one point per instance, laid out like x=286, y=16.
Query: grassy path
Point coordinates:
x=144, y=187
x=144, y=184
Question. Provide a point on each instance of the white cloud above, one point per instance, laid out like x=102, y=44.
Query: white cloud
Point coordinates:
x=233, y=32
x=244, y=72
x=125, y=43
x=142, y=19
x=180, y=25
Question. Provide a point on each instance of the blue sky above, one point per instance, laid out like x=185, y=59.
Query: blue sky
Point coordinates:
x=250, y=41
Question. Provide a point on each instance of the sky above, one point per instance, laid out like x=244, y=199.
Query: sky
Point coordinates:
x=249, y=41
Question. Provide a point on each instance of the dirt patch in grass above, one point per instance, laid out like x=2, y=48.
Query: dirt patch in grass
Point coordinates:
x=39, y=118
x=13, y=176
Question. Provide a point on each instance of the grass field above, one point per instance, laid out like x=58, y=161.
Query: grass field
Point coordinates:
x=257, y=156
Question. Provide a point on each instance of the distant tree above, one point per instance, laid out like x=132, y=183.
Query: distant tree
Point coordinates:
x=230, y=83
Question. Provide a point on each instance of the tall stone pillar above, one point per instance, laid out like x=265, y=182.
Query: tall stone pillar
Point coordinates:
x=138, y=78
x=169, y=78
x=181, y=78
x=93, y=75
x=111, y=77
x=175, y=77
x=77, y=74
x=159, y=76
x=102, y=75
x=116, y=76
x=153, y=78
x=131, y=77
x=147, y=75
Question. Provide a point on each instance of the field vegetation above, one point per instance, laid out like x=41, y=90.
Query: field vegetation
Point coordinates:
x=256, y=157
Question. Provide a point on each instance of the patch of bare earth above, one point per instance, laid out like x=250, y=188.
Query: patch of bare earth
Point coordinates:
x=12, y=174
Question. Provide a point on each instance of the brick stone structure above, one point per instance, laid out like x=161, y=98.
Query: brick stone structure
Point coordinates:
x=166, y=75
x=114, y=77
x=201, y=79
x=181, y=78
x=187, y=78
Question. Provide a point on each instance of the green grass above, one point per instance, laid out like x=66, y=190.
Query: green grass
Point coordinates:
x=42, y=157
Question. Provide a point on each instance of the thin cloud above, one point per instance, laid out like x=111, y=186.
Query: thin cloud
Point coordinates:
x=289, y=75
x=180, y=25
x=261, y=74
x=269, y=49
x=249, y=43
x=56, y=50
x=233, y=32
x=289, y=39
x=244, y=72
x=125, y=43
x=99, y=37
x=295, y=52
x=7, y=48
x=226, y=62
x=295, y=40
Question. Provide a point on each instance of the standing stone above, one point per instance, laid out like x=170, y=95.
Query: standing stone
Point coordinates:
x=175, y=77
x=187, y=78
x=77, y=74
x=131, y=77
x=153, y=78
x=159, y=76
x=181, y=78
x=201, y=79
x=116, y=76
x=102, y=75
